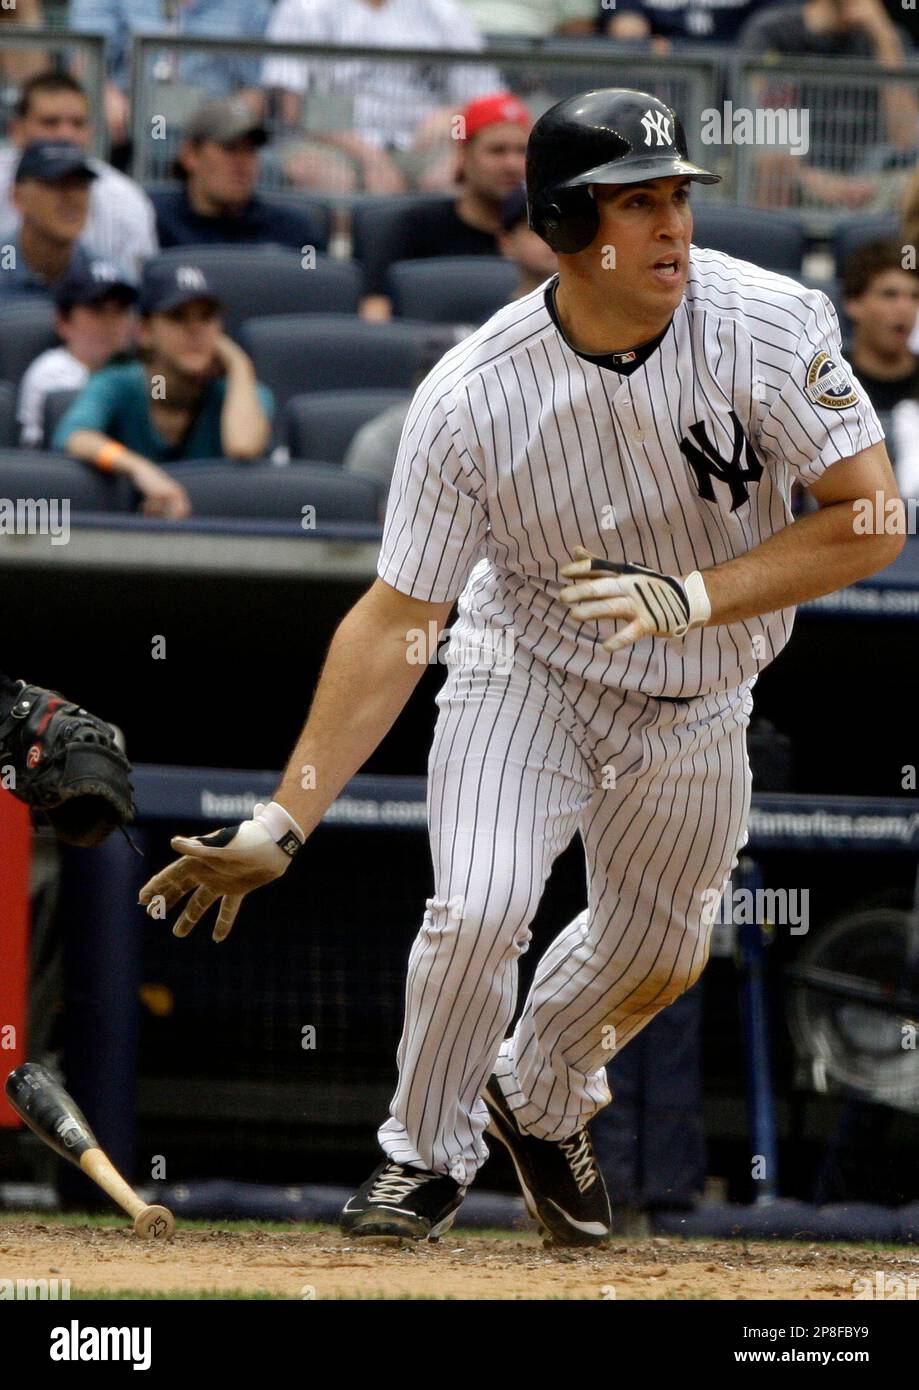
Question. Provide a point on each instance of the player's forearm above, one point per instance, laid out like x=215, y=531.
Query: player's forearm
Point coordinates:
x=365, y=682
x=816, y=555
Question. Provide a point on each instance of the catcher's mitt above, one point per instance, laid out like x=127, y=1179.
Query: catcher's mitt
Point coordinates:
x=65, y=762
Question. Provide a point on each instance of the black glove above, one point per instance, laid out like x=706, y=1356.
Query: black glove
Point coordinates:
x=66, y=763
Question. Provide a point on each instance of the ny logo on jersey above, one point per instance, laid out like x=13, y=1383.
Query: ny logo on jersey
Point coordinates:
x=656, y=123
x=707, y=463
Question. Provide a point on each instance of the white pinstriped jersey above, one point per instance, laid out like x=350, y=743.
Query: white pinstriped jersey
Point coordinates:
x=516, y=449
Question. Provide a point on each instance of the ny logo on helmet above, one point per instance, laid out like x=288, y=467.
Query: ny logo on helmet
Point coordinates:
x=656, y=123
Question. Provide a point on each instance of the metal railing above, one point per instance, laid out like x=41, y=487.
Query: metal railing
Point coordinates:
x=402, y=104
x=834, y=134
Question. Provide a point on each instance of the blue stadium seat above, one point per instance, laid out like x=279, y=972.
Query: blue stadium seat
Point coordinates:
x=853, y=232
x=26, y=329
x=321, y=424
x=9, y=430
x=320, y=212
x=373, y=220
x=833, y=291
x=56, y=405
x=271, y=280
x=774, y=240
x=29, y=473
x=451, y=289
x=221, y=489
x=325, y=352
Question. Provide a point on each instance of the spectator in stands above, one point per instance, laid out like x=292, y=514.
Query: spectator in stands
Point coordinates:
x=663, y=22
x=120, y=227
x=859, y=149
x=94, y=322
x=216, y=76
x=532, y=19
x=518, y=243
x=491, y=165
x=17, y=64
x=193, y=395
x=882, y=302
x=388, y=121
x=51, y=195
x=219, y=164
x=909, y=211
x=904, y=441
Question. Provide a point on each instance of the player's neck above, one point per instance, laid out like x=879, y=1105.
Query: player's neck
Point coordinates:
x=598, y=329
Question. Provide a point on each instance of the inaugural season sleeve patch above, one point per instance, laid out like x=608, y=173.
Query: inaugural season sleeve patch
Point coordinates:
x=828, y=383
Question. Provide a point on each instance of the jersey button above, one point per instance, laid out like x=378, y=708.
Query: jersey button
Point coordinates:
x=638, y=436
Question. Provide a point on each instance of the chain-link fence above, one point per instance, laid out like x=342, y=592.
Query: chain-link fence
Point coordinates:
x=823, y=134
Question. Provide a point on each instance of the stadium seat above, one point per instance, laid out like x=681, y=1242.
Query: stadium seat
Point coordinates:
x=30, y=473
x=262, y=491
x=270, y=280
x=325, y=352
x=774, y=240
x=26, y=329
x=373, y=220
x=320, y=212
x=855, y=231
x=56, y=406
x=451, y=289
x=321, y=424
x=9, y=430
x=833, y=291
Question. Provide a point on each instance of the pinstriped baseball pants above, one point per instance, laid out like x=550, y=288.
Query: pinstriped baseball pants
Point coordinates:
x=522, y=757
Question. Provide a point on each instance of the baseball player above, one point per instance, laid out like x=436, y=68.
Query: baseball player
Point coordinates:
x=64, y=762
x=601, y=476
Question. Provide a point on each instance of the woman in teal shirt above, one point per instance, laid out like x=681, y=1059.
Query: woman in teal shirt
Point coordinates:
x=193, y=395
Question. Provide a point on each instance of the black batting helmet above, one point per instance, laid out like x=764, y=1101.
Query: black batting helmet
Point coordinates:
x=613, y=135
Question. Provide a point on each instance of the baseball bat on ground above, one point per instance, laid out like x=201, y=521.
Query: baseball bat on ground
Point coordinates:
x=55, y=1117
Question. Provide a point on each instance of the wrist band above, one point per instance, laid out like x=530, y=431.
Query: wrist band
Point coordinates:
x=109, y=455
x=700, y=608
x=281, y=826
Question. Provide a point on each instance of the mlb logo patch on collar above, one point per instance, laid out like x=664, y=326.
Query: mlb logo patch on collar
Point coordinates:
x=622, y=357
x=828, y=384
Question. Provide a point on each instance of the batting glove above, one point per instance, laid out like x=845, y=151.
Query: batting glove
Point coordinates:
x=227, y=864
x=655, y=605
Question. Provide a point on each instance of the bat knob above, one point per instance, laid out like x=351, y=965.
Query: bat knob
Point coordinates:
x=155, y=1223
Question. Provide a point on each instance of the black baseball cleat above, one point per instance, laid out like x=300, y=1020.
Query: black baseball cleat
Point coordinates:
x=397, y=1200
x=562, y=1185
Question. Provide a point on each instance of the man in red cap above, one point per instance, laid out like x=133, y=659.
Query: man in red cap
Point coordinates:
x=491, y=134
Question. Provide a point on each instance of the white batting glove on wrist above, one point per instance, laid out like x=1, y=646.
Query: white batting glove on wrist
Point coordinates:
x=654, y=605
x=226, y=864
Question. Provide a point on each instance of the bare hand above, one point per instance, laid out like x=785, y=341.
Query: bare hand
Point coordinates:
x=163, y=496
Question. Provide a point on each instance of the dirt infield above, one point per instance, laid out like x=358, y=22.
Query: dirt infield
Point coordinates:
x=302, y=1262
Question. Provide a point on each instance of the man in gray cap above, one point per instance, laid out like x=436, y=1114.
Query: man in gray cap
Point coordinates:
x=218, y=162
x=51, y=194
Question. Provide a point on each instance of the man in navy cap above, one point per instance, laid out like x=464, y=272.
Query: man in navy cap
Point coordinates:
x=94, y=322
x=51, y=194
x=193, y=394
